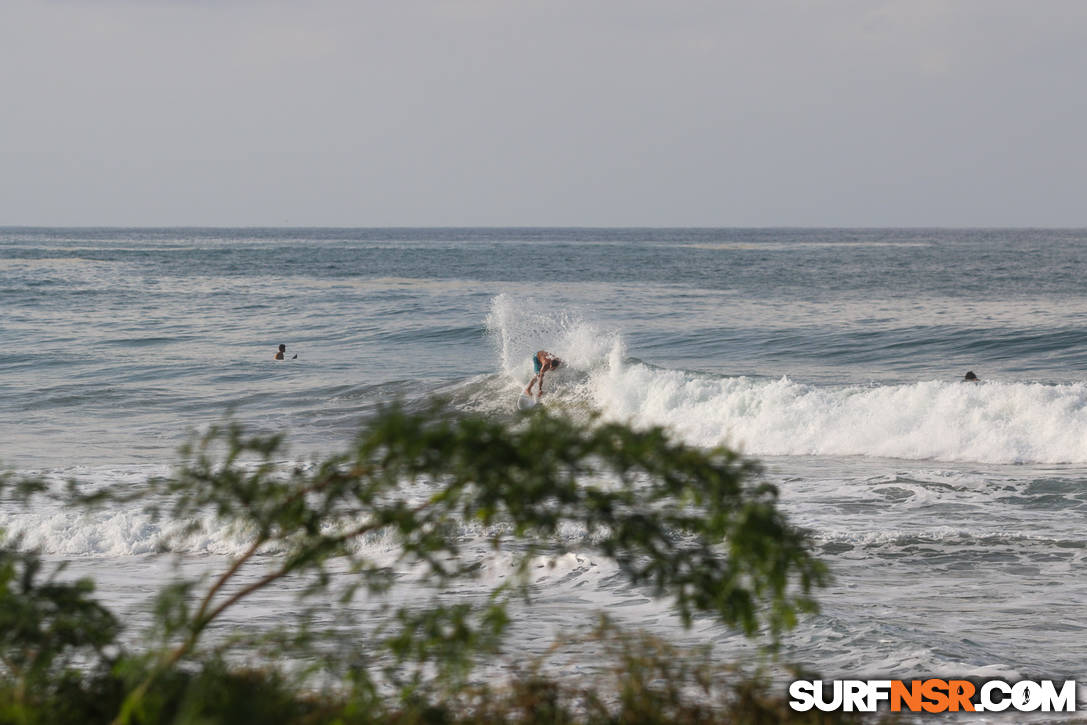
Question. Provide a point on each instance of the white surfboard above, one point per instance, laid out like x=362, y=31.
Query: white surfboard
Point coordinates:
x=524, y=402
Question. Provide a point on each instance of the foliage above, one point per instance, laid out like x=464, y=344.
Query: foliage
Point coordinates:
x=646, y=680
x=689, y=524
x=46, y=627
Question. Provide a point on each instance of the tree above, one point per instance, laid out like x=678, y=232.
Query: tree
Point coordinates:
x=693, y=525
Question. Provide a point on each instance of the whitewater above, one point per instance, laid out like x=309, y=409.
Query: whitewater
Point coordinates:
x=951, y=514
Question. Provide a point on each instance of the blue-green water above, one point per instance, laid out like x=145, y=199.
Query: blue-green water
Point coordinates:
x=952, y=513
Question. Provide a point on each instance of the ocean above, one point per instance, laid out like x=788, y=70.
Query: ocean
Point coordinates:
x=951, y=514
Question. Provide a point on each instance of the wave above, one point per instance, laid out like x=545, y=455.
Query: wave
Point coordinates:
x=125, y=530
x=990, y=422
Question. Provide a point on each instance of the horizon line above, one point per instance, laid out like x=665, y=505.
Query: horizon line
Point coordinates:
x=922, y=227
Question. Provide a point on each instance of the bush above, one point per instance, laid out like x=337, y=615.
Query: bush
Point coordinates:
x=692, y=525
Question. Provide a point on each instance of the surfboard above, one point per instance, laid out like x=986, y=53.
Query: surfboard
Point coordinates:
x=524, y=402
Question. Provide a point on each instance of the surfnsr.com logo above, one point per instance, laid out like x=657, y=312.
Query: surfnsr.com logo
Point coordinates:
x=933, y=695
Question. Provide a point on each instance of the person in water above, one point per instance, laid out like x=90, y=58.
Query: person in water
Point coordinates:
x=282, y=353
x=542, y=362
x=970, y=377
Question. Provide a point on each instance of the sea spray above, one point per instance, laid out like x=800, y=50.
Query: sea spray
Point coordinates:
x=519, y=327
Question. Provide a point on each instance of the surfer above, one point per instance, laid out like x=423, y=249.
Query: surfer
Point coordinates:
x=542, y=361
x=970, y=377
x=282, y=353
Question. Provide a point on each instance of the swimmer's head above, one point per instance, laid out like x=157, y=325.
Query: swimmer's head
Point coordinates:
x=282, y=348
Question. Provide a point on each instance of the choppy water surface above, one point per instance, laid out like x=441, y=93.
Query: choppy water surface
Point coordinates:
x=952, y=514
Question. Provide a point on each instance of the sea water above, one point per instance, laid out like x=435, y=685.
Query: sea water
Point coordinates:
x=952, y=514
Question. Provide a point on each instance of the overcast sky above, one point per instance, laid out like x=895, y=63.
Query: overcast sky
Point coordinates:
x=544, y=112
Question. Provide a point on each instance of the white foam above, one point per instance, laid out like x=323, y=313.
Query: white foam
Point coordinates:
x=990, y=422
x=951, y=421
